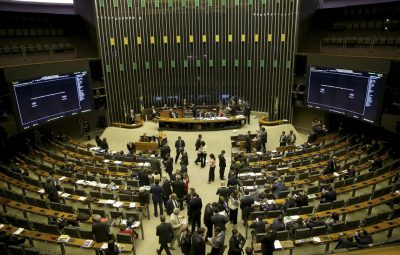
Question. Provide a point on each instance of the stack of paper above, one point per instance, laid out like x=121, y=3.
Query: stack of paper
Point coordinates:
x=19, y=231
x=118, y=204
x=82, y=198
x=1, y=225
x=117, y=162
x=106, y=160
x=316, y=239
x=63, y=238
x=62, y=178
x=336, y=174
x=88, y=243
x=41, y=191
x=80, y=181
x=132, y=205
x=311, y=196
x=65, y=195
x=277, y=245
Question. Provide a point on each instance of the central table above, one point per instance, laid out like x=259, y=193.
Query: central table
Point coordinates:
x=201, y=124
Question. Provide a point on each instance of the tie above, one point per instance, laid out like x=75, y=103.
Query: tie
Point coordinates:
x=176, y=204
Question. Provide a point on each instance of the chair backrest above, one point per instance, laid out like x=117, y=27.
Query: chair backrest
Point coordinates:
x=257, y=214
x=370, y=220
x=337, y=227
x=338, y=204
x=307, y=209
x=302, y=233
x=72, y=232
x=353, y=201
x=293, y=211
x=80, y=192
x=324, y=207
x=352, y=224
x=85, y=234
x=249, y=182
x=108, y=195
x=32, y=251
x=51, y=229
x=16, y=250
x=282, y=235
x=273, y=213
x=312, y=189
x=116, y=214
x=317, y=231
x=283, y=194
x=124, y=238
x=383, y=216
x=102, y=213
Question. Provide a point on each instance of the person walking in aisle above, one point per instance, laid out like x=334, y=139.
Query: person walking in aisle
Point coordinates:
x=157, y=191
x=165, y=234
x=211, y=172
x=233, y=204
x=236, y=243
x=194, y=211
x=180, y=147
x=222, y=165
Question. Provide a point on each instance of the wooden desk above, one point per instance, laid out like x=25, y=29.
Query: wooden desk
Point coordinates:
x=344, y=210
x=286, y=245
x=200, y=124
x=49, y=238
x=146, y=146
x=75, y=198
x=128, y=126
x=266, y=122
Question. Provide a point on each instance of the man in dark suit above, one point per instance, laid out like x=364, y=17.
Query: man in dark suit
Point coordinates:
x=247, y=112
x=165, y=234
x=194, y=110
x=155, y=164
x=258, y=227
x=169, y=165
x=328, y=195
x=171, y=204
x=236, y=243
x=223, y=191
x=208, y=213
x=219, y=219
x=194, y=211
x=100, y=230
x=376, y=163
x=301, y=199
x=180, y=147
x=222, y=165
x=331, y=166
x=283, y=139
x=248, y=142
x=278, y=224
x=51, y=190
x=183, y=169
x=268, y=240
x=179, y=190
x=197, y=145
x=278, y=186
x=263, y=138
x=245, y=205
x=198, y=244
x=143, y=177
x=157, y=198
x=164, y=151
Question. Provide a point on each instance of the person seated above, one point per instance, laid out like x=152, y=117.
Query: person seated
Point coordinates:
x=345, y=242
x=376, y=163
x=328, y=195
x=289, y=202
x=334, y=218
x=278, y=186
x=173, y=114
x=258, y=227
x=153, y=113
x=363, y=239
x=299, y=224
x=301, y=199
x=350, y=173
x=278, y=224
x=124, y=230
x=314, y=222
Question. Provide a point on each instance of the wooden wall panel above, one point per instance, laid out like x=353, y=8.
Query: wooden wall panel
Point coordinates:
x=168, y=50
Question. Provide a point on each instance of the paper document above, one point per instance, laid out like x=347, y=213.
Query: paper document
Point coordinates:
x=19, y=231
x=82, y=198
x=277, y=245
x=132, y=205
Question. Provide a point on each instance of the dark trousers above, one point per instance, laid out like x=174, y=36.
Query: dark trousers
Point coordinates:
x=159, y=203
x=264, y=146
x=233, y=214
x=178, y=152
x=248, y=148
x=203, y=157
x=198, y=159
x=195, y=221
x=165, y=247
x=209, y=226
x=211, y=174
x=221, y=172
x=214, y=251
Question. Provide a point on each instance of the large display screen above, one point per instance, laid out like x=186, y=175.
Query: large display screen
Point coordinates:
x=356, y=94
x=51, y=97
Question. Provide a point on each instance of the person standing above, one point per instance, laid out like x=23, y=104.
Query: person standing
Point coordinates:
x=198, y=244
x=248, y=142
x=211, y=172
x=197, y=145
x=268, y=240
x=208, y=213
x=86, y=128
x=217, y=242
x=51, y=190
x=185, y=240
x=282, y=139
x=203, y=154
x=165, y=234
x=222, y=165
x=180, y=147
x=194, y=211
x=194, y=110
x=176, y=223
x=291, y=138
x=169, y=165
x=219, y=219
x=100, y=231
x=263, y=137
x=247, y=111
x=236, y=243
x=245, y=205
x=233, y=205
x=185, y=158
x=157, y=191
